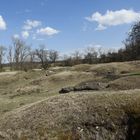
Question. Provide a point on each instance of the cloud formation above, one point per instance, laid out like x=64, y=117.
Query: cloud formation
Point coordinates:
x=25, y=34
x=30, y=24
x=16, y=36
x=47, y=31
x=114, y=18
x=33, y=29
x=2, y=23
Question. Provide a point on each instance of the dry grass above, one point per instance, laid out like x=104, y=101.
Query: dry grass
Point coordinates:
x=73, y=116
x=82, y=67
x=125, y=83
x=34, y=85
x=115, y=68
x=28, y=112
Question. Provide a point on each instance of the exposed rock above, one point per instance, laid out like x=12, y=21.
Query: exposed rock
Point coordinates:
x=84, y=86
x=89, y=86
x=66, y=90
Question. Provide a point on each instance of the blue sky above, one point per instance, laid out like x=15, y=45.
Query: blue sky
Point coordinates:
x=68, y=25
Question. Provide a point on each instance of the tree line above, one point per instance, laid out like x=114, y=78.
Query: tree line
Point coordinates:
x=20, y=56
x=130, y=51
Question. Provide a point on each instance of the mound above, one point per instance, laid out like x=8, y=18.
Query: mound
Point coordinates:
x=81, y=67
x=125, y=83
x=73, y=77
x=59, y=69
x=27, y=90
x=87, y=116
x=113, y=68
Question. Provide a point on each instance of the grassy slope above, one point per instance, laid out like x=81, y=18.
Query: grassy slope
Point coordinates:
x=27, y=87
x=81, y=116
x=24, y=88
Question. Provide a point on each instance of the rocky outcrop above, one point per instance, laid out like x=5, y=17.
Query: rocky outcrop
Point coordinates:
x=66, y=90
x=84, y=86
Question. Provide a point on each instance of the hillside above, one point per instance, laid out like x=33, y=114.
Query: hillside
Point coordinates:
x=104, y=115
x=32, y=109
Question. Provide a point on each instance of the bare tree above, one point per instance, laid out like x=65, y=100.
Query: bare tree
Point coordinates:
x=67, y=60
x=21, y=51
x=100, y=51
x=10, y=57
x=53, y=56
x=42, y=54
x=77, y=57
x=91, y=55
x=2, y=53
x=132, y=43
x=31, y=58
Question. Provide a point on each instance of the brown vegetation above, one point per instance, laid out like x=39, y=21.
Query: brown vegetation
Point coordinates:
x=96, y=115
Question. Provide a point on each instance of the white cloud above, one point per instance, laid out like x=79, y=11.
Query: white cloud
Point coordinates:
x=25, y=34
x=40, y=39
x=93, y=45
x=2, y=23
x=30, y=24
x=114, y=18
x=47, y=31
x=15, y=36
x=100, y=27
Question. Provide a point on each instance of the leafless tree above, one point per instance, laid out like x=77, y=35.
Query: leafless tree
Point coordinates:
x=42, y=55
x=31, y=58
x=100, y=51
x=91, y=55
x=53, y=56
x=2, y=53
x=67, y=60
x=21, y=51
x=10, y=57
x=77, y=57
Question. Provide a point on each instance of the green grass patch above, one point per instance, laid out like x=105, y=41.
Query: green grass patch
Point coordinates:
x=133, y=74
